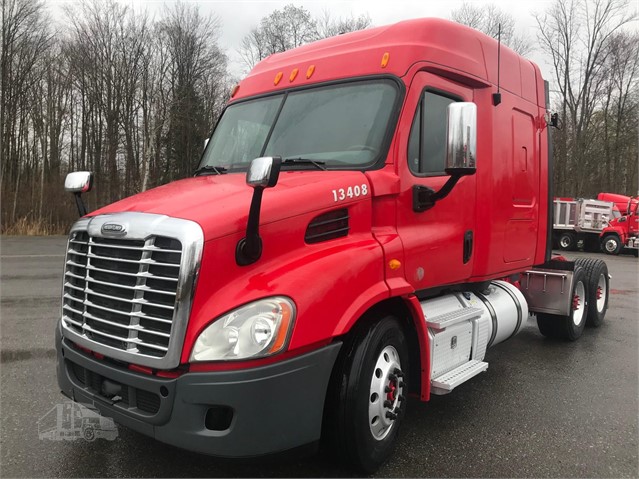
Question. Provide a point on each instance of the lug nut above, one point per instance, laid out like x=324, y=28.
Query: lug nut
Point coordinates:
x=391, y=415
x=387, y=403
x=399, y=372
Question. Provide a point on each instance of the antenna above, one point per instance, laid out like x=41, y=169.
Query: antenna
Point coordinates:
x=497, y=96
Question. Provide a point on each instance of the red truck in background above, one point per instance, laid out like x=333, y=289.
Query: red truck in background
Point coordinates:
x=623, y=231
x=372, y=212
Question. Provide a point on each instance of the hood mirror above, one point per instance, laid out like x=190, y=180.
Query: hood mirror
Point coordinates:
x=79, y=182
x=262, y=173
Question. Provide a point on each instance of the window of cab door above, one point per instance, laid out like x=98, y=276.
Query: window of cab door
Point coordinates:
x=427, y=140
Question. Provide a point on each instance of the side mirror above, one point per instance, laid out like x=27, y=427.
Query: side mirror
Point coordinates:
x=79, y=182
x=262, y=173
x=461, y=151
x=461, y=145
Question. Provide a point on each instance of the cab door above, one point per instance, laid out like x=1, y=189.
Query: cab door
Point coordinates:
x=439, y=242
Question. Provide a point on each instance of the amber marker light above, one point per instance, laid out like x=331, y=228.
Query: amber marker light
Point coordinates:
x=385, y=59
x=310, y=71
x=278, y=77
x=235, y=90
x=282, y=333
x=394, y=264
x=293, y=74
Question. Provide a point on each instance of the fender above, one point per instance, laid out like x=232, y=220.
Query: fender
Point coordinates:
x=618, y=230
x=424, y=345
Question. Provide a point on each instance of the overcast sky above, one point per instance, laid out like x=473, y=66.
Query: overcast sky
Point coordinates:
x=238, y=17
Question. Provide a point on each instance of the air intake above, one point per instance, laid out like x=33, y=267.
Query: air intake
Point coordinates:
x=328, y=226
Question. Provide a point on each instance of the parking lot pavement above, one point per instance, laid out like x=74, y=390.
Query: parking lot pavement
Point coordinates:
x=543, y=409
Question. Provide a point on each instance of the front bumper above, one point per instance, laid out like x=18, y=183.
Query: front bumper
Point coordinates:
x=265, y=410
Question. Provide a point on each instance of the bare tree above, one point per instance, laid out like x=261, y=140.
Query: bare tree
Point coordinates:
x=577, y=36
x=329, y=26
x=280, y=31
x=490, y=19
x=195, y=63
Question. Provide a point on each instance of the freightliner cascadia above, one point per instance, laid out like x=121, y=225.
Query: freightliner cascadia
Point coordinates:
x=371, y=213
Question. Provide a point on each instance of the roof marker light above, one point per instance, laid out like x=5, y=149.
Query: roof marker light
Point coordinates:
x=278, y=77
x=235, y=89
x=385, y=59
x=310, y=71
x=293, y=74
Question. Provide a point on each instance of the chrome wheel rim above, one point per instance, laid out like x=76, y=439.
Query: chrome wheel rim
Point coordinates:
x=579, y=304
x=602, y=292
x=564, y=242
x=611, y=245
x=385, y=393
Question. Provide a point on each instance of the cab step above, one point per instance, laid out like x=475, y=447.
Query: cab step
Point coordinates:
x=448, y=381
x=452, y=317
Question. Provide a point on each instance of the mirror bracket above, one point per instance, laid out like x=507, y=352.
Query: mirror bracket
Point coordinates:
x=424, y=197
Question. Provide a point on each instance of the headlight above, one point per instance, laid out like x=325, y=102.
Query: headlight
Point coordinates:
x=255, y=330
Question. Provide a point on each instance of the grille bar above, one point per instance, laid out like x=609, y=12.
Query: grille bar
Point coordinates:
x=134, y=288
x=144, y=261
x=137, y=275
x=131, y=301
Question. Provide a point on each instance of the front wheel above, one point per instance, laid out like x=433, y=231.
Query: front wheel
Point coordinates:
x=367, y=401
x=611, y=244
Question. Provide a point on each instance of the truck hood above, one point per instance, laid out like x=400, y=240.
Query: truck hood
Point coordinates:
x=220, y=203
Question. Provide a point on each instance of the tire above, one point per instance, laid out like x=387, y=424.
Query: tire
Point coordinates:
x=611, y=244
x=567, y=241
x=88, y=433
x=598, y=284
x=568, y=327
x=366, y=403
x=547, y=324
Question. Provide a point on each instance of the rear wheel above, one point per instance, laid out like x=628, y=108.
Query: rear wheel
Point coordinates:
x=366, y=402
x=598, y=284
x=571, y=326
x=611, y=244
x=567, y=241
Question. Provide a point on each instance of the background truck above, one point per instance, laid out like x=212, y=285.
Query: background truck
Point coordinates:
x=69, y=421
x=623, y=231
x=371, y=214
x=580, y=221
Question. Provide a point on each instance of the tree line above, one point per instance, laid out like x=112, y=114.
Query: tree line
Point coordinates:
x=132, y=97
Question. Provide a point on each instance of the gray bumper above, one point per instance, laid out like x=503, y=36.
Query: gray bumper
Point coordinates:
x=274, y=408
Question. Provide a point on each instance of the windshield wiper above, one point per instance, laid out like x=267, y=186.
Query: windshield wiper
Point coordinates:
x=218, y=170
x=304, y=161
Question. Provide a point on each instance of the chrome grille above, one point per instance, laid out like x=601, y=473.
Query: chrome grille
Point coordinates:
x=122, y=292
x=130, y=297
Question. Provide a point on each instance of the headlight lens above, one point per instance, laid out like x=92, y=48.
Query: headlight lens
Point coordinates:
x=255, y=330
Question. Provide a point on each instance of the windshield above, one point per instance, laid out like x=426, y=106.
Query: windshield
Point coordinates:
x=338, y=125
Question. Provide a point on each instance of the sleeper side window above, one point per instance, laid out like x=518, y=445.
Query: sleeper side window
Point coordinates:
x=427, y=141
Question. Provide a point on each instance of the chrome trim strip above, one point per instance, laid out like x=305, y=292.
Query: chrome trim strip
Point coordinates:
x=139, y=226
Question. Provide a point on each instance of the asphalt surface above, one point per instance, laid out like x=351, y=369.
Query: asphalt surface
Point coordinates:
x=543, y=409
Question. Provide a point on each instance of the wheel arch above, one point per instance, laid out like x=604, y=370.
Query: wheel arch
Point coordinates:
x=408, y=310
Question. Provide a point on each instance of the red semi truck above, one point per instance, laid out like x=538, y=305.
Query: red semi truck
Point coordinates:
x=622, y=232
x=372, y=212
